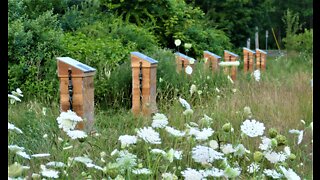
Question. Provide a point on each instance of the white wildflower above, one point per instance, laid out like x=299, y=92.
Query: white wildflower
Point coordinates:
x=230, y=79
x=289, y=174
x=158, y=151
x=56, y=164
x=18, y=92
x=201, y=135
x=76, y=134
x=287, y=150
x=82, y=159
x=184, y=103
x=126, y=160
x=230, y=172
x=256, y=75
x=174, y=132
x=213, y=144
x=127, y=140
x=114, y=152
x=14, y=128
x=253, y=167
x=252, y=128
x=169, y=176
x=214, y=172
x=266, y=143
x=14, y=98
x=227, y=149
x=23, y=154
x=40, y=155
x=15, y=148
x=299, y=133
x=203, y=154
x=191, y=61
x=272, y=173
x=49, y=172
x=218, y=90
x=240, y=150
x=193, y=88
x=149, y=135
x=68, y=147
x=206, y=119
x=159, y=120
x=177, y=42
x=275, y=157
x=91, y=165
x=68, y=120
x=188, y=112
x=192, y=174
x=188, y=70
x=229, y=63
x=187, y=45
x=141, y=171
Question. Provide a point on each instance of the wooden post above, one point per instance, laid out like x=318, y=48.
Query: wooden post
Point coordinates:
x=212, y=62
x=82, y=90
x=182, y=61
x=248, y=59
x=261, y=58
x=229, y=56
x=144, y=84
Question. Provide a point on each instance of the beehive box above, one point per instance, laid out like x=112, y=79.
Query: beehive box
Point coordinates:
x=144, y=90
x=232, y=71
x=212, y=61
x=248, y=60
x=261, y=59
x=82, y=78
x=182, y=61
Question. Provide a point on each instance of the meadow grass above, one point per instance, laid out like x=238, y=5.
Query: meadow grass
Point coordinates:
x=281, y=99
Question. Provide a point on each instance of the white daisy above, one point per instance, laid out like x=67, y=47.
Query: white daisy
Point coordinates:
x=188, y=70
x=149, y=135
x=272, y=173
x=289, y=174
x=76, y=134
x=203, y=154
x=127, y=140
x=192, y=174
x=174, y=132
x=252, y=128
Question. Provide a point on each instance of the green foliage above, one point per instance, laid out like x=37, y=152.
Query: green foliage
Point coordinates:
x=32, y=46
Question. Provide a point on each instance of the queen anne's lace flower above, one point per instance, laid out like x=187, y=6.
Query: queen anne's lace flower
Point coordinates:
x=214, y=172
x=203, y=154
x=289, y=174
x=158, y=151
x=169, y=176
x=14, y=128
x=68, y=120
x=188, y=70
x=174, y=132
x=149, y=135
x=227, y=149
x=127, y=140
x=15, y=148
x=50, y=173
x=272, y=173
x=192, y=174
x=141, y=171
x=159, y=120
x=299, y=133
x=201, y=135
x=193, y=89
x=275, y=157
x=76, y=134
x=256, y=75
x=56, y=164
x=126, y=160
x=253, y=167
x=252, y=128
x=40, y=155
x=184, y=103
x=266, y=143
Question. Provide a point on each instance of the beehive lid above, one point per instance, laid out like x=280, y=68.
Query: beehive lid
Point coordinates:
x=249, y=50
x=144, y=57
x=261, y=51
x=184, y=56
x=212, y=54
x=233, y=54
x=79, y=65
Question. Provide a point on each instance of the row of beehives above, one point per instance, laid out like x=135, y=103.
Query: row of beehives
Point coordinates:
x=77, y=83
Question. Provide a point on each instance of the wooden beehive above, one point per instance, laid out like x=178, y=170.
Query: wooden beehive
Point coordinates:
x=248, y=60
x=232, y=71
x=82, y=90
x=144, y=96
x=261, y=58
x=182, y=61
x=212, y=61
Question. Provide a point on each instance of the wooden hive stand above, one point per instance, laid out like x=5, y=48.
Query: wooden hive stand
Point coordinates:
x=77, y=90
x=182, y=61
x=248, y=60
x=229, y=56
x=261, y=58
x=212, y=61
x=144, y=84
